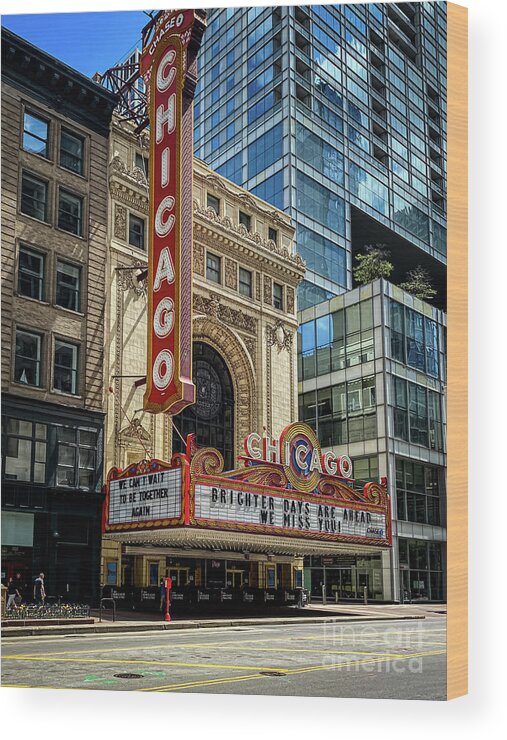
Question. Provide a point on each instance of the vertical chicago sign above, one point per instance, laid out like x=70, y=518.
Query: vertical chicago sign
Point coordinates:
x=168, y=65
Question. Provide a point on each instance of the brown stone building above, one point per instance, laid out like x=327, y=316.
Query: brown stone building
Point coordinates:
x=244, y=343
x=55, y=129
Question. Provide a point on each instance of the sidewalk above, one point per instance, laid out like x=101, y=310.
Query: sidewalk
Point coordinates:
x=313, y=614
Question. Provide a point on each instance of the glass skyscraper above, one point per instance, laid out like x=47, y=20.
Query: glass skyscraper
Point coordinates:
x=336, y=114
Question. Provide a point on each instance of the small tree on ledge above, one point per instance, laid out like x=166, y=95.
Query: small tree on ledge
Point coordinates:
x=418, y=284
x=373, y=264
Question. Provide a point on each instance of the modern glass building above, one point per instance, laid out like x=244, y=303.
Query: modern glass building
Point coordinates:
x=337, y=114
x=372, y=384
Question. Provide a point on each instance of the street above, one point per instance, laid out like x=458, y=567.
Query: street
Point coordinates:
x=400, y=659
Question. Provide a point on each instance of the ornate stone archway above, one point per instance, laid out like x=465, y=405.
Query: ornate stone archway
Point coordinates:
x=234, y=352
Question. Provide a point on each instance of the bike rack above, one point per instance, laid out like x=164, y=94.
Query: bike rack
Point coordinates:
x=113, y=602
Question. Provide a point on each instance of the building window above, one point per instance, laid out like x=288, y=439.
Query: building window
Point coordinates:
x=31, y=274
x=245, y=219
x=136, y=231
x=25, y=450
x=245, y=282
x=27, y=366
x=141, y=163
x=211, y=418
x=76, y=457
x=35, y=135
x=417, y=414
x=213, y=268
x=70, y=213
x=68, y=286
x=34, y=197
x=417, y=492
x=343, y=413
x=65, y=367
x=414, y=339
x=212, y=202
x=71, y=152
x=273, y=235
x=421, y=569
x=278, y=296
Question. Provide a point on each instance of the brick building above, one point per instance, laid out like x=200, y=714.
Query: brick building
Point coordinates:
x=55, y=129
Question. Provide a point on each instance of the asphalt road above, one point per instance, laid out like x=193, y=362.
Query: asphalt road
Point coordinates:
x=389, y=660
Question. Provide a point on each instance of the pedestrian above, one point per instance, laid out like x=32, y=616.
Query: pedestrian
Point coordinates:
x=39, y=592
x=21, y=586
x=12, y=594
x=162, y=594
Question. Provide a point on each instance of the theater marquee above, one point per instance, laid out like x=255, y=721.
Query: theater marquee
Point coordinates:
x=286, y=487
x=166, y=64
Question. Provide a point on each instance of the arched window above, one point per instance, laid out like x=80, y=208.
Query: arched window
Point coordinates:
x=211, y=418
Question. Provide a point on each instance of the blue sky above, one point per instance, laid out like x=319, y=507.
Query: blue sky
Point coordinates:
x=88, y=42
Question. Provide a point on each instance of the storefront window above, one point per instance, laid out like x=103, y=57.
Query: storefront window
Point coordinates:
x=417, y=492
x=421, y=574
x=24, y=450
x=111, y=574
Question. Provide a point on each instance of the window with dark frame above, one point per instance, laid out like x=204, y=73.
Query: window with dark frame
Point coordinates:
x=27, y=363
x=35, y=134
x=213, y=267
x=71, y=152
x=245, y=219
x=141, y=163
x=24, y=448
x=34, y=197
x=65, y=371
x=136, y=231
x=70, y=212
x=76, y=457
x=31, y=273
x=245, y=282
x=278, y=296
x=213, y=202
x=273, y=235
x=68, y=285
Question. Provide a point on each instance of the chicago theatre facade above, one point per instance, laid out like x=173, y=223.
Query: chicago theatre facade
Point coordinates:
x=229, y=496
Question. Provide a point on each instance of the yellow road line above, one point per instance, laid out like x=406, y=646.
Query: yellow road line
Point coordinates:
x=293, y=672
x=147, y=662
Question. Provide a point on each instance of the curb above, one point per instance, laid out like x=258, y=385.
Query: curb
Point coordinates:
x=118, y=628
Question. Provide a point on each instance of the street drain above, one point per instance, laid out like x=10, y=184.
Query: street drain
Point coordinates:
x=128, y=675
x=271, y=673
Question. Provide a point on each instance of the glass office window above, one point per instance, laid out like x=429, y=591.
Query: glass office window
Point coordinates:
x=320, y=203
x=411, y=218
x=260, y=82
x=265, y=150
x=259, y=109
x=319, y=154
x=271, y=190
x=232, y=169
x=322, y=255
x=414, y=339
x=368, y=189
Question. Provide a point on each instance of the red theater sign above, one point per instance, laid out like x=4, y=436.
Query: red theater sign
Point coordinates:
x=166, y=67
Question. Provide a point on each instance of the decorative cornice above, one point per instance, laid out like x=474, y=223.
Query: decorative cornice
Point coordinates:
x=234, y=317
x=253, y=240
x=220, y=185
x=66, y=90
